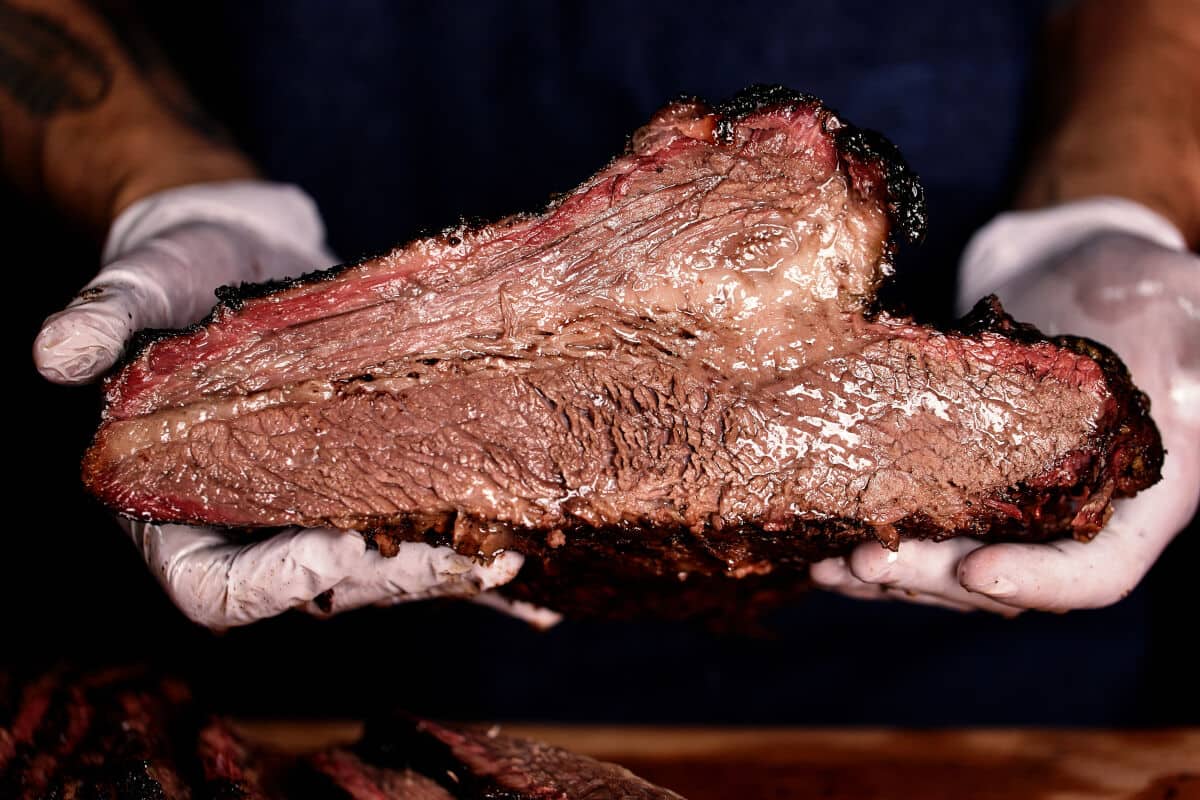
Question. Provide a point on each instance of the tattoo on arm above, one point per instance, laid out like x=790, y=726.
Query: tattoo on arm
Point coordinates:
x=91, y=119
x=45, y=68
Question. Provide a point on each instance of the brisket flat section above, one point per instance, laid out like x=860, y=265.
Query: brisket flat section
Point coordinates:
x=677, y=369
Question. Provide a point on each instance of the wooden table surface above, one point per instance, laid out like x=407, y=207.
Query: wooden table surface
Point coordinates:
x=863, y=764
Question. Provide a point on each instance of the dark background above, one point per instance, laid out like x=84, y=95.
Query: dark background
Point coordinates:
x=398, y=117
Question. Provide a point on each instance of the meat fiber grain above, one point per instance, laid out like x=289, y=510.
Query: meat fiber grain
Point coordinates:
x=677, y=369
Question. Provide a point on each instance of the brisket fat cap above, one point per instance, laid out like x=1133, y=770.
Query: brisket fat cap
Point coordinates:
x=678, y=367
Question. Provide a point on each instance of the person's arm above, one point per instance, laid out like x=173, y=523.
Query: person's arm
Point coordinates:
x=90, y=127
x=1120, y=112
x=1108, y=206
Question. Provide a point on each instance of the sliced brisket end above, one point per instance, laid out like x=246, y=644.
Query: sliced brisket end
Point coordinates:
x=676, y=369
x=474, y=763
x=358, y=780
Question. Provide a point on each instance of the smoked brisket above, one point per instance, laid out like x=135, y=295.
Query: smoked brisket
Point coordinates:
x=678, y=370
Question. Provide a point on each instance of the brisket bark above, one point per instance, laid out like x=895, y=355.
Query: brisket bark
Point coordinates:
x=677, y=369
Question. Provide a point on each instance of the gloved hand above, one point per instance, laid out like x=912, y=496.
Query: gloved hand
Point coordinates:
x=219, y=584
x=1116, y=272
x=164, y=257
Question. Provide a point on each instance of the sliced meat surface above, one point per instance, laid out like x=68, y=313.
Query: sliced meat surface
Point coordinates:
x=678, y=368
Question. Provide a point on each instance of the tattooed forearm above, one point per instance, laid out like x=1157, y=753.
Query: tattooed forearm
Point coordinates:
x=45, y=68
x=90, y=123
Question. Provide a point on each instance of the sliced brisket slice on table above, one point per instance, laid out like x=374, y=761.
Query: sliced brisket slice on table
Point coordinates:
x=485, y=763
x=358, y=780
x=92, y=735
x=128, y=734
x=677, y=370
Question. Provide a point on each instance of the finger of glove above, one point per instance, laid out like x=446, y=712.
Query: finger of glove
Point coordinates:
x=417, y=572
x=221, y=584
x=925, y=568
x=165, y=282
x=192, y=564
x=536, y=616
x=833, y=574
x=160, y=284
x=1057, y=576
x=291, y=569
x=1066, y=575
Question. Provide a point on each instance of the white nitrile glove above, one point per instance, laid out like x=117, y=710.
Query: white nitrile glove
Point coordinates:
x=1114, y=271
x=166, y=254
x=221, y=584
x=164, y=257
